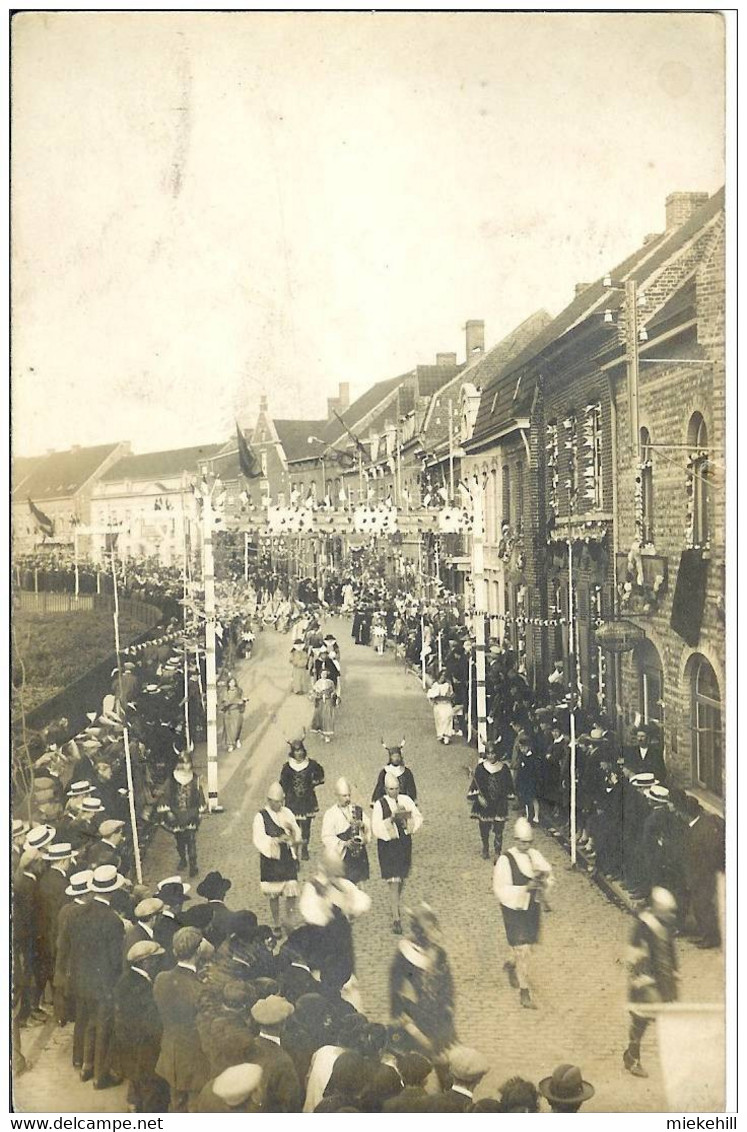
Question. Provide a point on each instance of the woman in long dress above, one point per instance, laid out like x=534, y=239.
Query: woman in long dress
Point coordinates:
x=379, y=633
x=441, y=695
x=348, y=598
x=324, y=696
x=299, y=665
x=233, y=707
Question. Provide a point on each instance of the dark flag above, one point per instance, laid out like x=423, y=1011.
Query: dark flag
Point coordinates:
x=248, y=462
x=43, y=522
x=344, y=459
x=352, y=436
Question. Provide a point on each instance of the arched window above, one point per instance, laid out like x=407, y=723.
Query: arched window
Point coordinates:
x=698, y=488
x=707, y=735
x=650, y=682
x=647, y=489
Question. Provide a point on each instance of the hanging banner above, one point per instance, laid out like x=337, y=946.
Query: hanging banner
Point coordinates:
x=451, y=520
x=376, y=522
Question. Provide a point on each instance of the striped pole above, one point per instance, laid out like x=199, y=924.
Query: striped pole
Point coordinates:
x=126, y=733
x=211, y=676
x=478, y=576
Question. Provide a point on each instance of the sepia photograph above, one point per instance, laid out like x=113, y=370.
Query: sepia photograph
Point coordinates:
x=369, y=693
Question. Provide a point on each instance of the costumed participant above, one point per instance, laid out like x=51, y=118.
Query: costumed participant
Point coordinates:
x=276, y=837
x=299, y=778
x=348, y=598
x=652, y=969
x=379, y=633
x=331, y=903
x=299, y=664
x=421, y=989
x=489, y=791
x=395, y=765
x=520, y=878
x=441, y=695
x=394, y=820
x=233, y=706
x=323, y=694
x=347, y=831
x=528, y=772
x=180, y=808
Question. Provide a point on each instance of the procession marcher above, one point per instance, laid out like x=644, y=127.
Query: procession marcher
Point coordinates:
x=441, y=695
x=233, y=706
x=181, y=1062
x=299, y=668
x=331, y=903
x=566, y=1090
x=652, y=969
x=520, y=877
x=138, y=1029
x=277, y=837
x=180, y=810
x=347, y=831
x=489, y=791
x=396, y=766
x=394, y=820
x=281, y=1087
x=421, y=989
x=323, y=695
x=299, y=778
x=95, y=966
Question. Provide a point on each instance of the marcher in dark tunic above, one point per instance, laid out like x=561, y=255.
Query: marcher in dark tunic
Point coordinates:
x=489, y=791
x=181, y=806
x=528, y=771
x=299, y=778
x=652, y=966
x=421, y=987
x=396, y=766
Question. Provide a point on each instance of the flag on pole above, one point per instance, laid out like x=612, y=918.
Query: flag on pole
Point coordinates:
x=43, y=522
x=248, y=462
x=352, y=435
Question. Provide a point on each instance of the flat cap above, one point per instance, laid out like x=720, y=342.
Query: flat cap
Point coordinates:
x=148, y=907
x=467, y=1064
x=236, y=1084
x=271, y=1011
x=110, y=826
x=144, y=949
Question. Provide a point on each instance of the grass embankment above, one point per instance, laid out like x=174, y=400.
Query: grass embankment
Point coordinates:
x=57, y=648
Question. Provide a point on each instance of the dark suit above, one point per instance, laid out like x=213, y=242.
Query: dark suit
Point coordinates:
x=453, y=1101
x=63, y=999
x=282, y=1089
x=51, y=896
x=166, y=928
x=650, y=763
x=102, y=853
x=295, y=981
x=219, y=926
x=95, y=966
x=27, y=964
x=704, y=859
x=134, y=933
x=182, y=1061
x=137, y=1039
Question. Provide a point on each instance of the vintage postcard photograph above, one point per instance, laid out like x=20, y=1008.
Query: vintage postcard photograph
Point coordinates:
x=367, y=564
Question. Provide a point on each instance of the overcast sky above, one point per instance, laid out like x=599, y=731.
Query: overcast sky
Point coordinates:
x=208, y=206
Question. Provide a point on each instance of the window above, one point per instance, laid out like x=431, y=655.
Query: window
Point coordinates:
x=593, y=457
x=506, y=490
x=650, y=683
x=697, y=482
x=646, y=490
x=263, y=462
x=707, y=736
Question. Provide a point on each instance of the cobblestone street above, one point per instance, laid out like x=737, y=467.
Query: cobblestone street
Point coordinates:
x=578, y=968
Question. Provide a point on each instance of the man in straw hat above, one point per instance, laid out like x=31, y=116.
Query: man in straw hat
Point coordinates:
x=566, y=1090
x=520, y=878
x=51, y=897
x=277, y=837
x=28, y=967
x=64, y=1002
x=95, y=965
x=138, y=1029
x=652, y=969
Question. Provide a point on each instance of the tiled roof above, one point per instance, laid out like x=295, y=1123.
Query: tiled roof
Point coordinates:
x=160, y=465
x=365, y=404
x=433, y=378
x=62, y=474
x=498, y=405
x=294, y=437
x=22, y=468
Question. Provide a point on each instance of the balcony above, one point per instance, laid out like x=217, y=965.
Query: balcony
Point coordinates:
x=642, y=582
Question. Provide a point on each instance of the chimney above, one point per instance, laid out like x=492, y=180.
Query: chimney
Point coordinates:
x=344, y=397
x=475, y=338
x=445, y=359
x=580, y=288
x=681, y=206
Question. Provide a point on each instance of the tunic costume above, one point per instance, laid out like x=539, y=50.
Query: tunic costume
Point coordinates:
x=331, y=905
x=528, y=771
x=393, y=823
x=179, y=810
x=323, y=695
x=299, y=679
x=442, y=699
x=489, y=791
x=278, y=864
x=406, y=782
x=520, y=905
x=422, y=992
x=348, y=838
x=299, y=781
x=233, y=715
x=652, y=973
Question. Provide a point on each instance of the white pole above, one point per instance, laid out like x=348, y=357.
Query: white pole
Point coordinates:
x=208, y=577
x=469, y=698
x=75, y=552
x=572, y=704
x=126, y=733
x=187, y=736
x=451, y=451
x=246, y=556
x=478, y=575
x=440, y=649
x=422, y=649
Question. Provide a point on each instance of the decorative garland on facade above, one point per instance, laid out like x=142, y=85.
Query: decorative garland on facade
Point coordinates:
x=590, y=531
x=593, y=454
x=697, y=465
x=521, y=632
x=571, y=445
x=553, y=470
x=598, y=667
